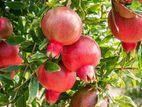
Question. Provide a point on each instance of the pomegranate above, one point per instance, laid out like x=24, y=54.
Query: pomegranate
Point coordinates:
x=129, y=47
x=51, y=96
x=6, y=28
x=86, y=97
x=59, y=81
x=62, y=26
x=125, y=29
x=82, y=57
x=140, y=1
x=9, y=55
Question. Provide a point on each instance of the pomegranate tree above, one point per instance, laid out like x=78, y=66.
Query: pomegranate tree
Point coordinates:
x=87, y=97
x=59, y=81
x=62, y=26
x=82, y=57
x=6, y=28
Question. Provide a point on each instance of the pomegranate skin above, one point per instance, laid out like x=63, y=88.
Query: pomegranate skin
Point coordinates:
x=6, y=28
x=59, y=81
x=62, y=26
x=86, y=97
x=129, y=47
x=125, y=29
x=140, y=1
x=82, y=53
x=51, y=96
x=9, y=55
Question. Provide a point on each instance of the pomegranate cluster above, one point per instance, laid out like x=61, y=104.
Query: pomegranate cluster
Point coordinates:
x=62, y=26
x=125, y=25
x=9, y=54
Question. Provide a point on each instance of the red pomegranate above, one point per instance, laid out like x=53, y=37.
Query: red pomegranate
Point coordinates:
x=82, y=57
x=59, y=81
x=62, y=26
x=129, y=47
x=6, y=28
x=51, y=96
x=9, y=55
x=86, y=97
x=140, y=1
x=125, y=29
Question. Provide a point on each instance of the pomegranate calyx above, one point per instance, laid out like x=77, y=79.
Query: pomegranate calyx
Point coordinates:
x=54, y=49
x=86, y=73
x=51, y=96
x=129, y=47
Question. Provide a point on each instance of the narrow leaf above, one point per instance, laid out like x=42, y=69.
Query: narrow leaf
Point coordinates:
x=52, y=67
x=10, y=68
x=14, y=40
x=33, y=89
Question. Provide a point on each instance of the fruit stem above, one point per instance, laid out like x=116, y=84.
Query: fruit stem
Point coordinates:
x=54, y=50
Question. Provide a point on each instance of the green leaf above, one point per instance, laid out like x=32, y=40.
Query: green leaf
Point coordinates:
x=33, y=89
x=136, y=6
x=6, y=79
x=124, y=101
x=139, y=54
x=14, y=40
x=51, y=66
x=3, y=99
x=21, y=101
x=132, y=76
x=10, y=68
x=37, y=56
x=16, y=5
x=43, y=44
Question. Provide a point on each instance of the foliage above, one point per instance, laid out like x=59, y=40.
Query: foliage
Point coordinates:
x=118, y=69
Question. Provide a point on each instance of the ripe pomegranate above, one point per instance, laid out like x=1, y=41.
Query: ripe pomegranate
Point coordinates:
x=129, y=47
x=51, y=96
x=62, y=26
x=59, y=81
x=82, y=57
x=6, y=28
x=125, y=29
x=140, y=1
x=9, y=55
x=86, y=97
